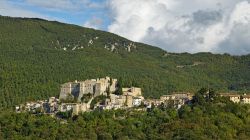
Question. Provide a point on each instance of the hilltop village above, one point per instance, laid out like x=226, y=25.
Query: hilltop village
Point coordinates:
x=103, y=94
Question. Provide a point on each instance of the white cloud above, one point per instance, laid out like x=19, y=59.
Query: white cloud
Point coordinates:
x=132, y=18
x=185, y=26
x=95, y=23
x=237, y=41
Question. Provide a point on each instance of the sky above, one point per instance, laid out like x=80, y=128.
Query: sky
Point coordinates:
x=217, y=26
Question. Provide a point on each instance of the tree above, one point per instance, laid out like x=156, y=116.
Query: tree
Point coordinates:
x=108, y=92
x=212, y=95
x=111, y=81
x=199, y=97
x=104, y=136
x=119, y=87
x=86, y=97
x=65, y=115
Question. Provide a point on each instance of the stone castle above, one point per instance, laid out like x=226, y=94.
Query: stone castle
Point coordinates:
x=94, y=87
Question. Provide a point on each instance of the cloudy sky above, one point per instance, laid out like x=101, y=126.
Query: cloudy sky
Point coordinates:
x=218, y=26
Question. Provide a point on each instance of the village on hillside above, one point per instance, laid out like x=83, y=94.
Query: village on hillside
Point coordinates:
x=105, y=94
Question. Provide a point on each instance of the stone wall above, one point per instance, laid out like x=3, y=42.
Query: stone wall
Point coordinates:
x=133, y=91
x=95, y=87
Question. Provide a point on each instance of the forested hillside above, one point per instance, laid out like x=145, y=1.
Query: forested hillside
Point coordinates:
x=36, y=56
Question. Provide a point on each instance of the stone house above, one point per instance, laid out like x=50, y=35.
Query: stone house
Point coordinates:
x=166, y=97
x=232, y=97
x=66, y=107
x=79, y=108
x=245, y=99
x=133, y=91
x=137, y=101
x=155, y=102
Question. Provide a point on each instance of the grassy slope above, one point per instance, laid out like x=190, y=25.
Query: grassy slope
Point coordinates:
x=32, y=68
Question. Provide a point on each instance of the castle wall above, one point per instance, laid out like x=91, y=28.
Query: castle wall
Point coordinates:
x=129, y=101
x=89, y=86
x=75, y=89
x=81, y=91
x=65, y=91
x=69, y=89
x=98, y=89
x=95, y=87
x=113, y=85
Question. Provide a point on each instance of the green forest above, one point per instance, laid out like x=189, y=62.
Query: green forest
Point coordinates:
x=205, y=118
x=37, y=56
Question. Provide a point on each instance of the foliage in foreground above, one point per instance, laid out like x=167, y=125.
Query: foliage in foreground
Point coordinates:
x=207, y=118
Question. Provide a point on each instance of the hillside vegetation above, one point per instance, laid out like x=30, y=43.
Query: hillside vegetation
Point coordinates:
x=36, y=56
x=214, y=118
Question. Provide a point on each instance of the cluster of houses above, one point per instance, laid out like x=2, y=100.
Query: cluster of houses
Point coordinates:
x=176, y=100
x=236, y=98
x=83, y=96
x=131, y=97
x=41, y=106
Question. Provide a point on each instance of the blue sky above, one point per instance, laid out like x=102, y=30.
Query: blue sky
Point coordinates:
x=82, y=12
x=217, y=26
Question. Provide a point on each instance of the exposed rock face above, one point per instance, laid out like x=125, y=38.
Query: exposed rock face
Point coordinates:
x=130, y=46
x=110, y=46
x=91, y=42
